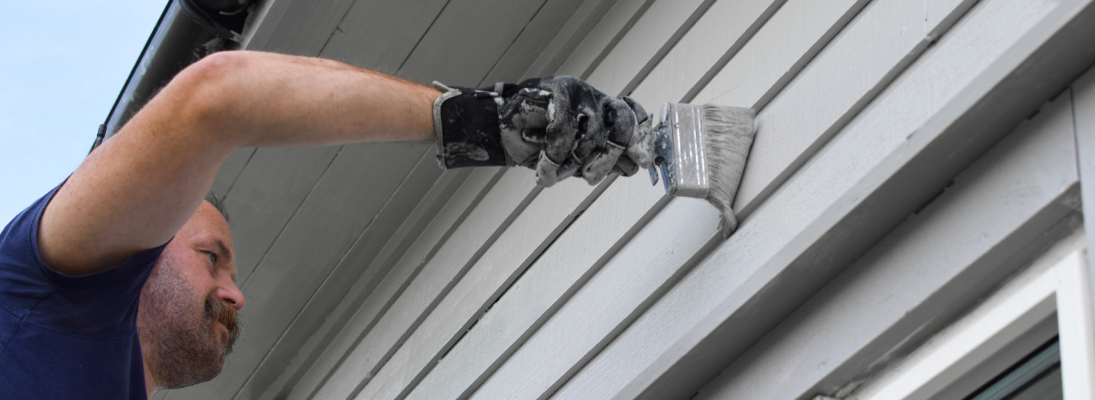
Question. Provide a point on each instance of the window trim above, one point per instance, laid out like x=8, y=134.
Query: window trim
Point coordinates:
x=1053, y=284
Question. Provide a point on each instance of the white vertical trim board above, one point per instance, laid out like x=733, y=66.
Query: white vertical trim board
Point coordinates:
x=1083, y=93
x=1029, y=298
x=1077, y=330
x=794, y=225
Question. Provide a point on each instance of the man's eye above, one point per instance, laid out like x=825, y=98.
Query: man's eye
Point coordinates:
x=212, y=257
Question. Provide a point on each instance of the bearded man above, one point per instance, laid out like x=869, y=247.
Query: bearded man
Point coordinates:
x=121, y=281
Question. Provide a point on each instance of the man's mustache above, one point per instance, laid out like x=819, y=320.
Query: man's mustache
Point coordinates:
x=219, y=310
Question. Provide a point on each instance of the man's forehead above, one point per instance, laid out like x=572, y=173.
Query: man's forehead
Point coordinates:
x=208, y=225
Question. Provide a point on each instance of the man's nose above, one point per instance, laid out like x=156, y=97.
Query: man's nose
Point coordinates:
x=232, y=294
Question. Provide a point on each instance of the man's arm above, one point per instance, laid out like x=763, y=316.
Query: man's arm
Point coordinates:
x=138, y=188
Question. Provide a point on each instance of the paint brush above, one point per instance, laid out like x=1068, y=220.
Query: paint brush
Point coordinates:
x=701, y=151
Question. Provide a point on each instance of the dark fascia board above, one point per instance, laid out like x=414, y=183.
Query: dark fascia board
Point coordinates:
x=177, y=40
x=1040, y=65
x=133, y=72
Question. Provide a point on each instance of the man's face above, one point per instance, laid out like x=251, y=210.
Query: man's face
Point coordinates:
x=187, y=314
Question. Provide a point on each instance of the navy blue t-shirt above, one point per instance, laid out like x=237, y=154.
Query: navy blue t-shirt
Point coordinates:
x=64, y=337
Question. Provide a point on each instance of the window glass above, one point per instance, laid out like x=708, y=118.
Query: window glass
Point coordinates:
x=1036, y=377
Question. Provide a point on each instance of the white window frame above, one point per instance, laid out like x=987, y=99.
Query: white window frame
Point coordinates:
x=1052, y=284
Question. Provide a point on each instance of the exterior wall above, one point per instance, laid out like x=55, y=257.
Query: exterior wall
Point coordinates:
x=888, y=189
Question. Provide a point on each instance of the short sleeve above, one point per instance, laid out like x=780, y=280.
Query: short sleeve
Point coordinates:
x=102, y=305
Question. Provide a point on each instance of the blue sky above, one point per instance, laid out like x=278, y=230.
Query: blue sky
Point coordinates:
x=62, y=66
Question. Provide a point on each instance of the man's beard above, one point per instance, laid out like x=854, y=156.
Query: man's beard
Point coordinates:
x=184, y=345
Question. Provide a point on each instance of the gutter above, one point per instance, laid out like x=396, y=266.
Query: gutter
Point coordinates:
x=187, y=31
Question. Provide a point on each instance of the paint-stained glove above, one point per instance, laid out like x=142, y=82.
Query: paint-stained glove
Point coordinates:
x=560, y=127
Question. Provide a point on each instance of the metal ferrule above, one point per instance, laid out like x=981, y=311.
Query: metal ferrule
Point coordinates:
x=679, y=151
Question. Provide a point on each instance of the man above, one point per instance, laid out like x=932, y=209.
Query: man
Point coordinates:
x=120, y=281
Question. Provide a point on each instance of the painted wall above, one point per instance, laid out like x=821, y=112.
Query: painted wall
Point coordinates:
x=892, y=182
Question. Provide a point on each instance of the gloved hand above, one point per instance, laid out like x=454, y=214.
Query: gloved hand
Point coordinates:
x=560, y=127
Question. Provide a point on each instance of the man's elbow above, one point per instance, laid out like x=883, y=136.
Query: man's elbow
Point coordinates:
x=210, y=90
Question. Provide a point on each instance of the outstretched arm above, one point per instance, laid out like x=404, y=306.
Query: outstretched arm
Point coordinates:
x=138, y=188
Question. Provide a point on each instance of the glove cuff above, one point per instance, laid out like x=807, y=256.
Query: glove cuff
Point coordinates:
x=466, y=128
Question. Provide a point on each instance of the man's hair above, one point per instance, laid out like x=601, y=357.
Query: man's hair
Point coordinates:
x=217, y=203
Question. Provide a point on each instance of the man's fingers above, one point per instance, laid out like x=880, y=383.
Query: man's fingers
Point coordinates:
x=625, y=166
x=523, y=121
x=576, y=131
x=641, y=149
x=547, y=171
x=601, y=163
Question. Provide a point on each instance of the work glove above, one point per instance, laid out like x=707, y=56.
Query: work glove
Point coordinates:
x=560, y=127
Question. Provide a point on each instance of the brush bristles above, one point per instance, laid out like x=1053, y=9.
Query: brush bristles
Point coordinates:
x=728, y=135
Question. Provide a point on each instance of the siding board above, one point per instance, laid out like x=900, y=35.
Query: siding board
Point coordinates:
x=559, y=270
x=380, y=35
x=603, y=38
x=230, y=171
x=241, y=371
x=474, y=375
x=533, y=40
x=357, y=264
x=778, y=51
x=483, y=226
x=506, y=259
x=367, y=314
x=642, y=47
x=953, y=252
x=863, y=59
x=530, y=308
x=329, y=372
x=269, y=190
x=722, y=31
x=599, y=309
x=575, y=258
x=443, y=53
x=757, y=250
x=570, y=36
x=309, y=30
x=291, y=372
